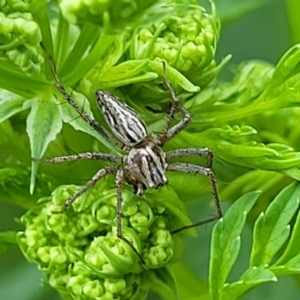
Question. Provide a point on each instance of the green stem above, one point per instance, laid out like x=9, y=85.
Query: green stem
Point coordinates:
x=293, y=11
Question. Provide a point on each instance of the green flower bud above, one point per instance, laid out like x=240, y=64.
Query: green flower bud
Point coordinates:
x=186, y=40
x=13, y=5
x=57, y=255
x=20, y=37
x=114, y=285
x=58, y=279
x=93, y=289
x=79, y=250
x=44, y=254
x=105, y=12
x=158, y=255
x=76, y=283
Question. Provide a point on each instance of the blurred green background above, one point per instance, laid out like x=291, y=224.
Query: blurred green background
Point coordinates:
x=261, y=34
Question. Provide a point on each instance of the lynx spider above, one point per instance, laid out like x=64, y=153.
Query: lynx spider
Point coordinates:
x=145, y=164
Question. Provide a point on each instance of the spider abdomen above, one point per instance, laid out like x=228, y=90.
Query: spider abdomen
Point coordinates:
x=124, y=122
x=147, y=165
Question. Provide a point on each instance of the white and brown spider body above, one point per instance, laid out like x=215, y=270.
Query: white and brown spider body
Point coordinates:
x=145, y=164
x=123, y=121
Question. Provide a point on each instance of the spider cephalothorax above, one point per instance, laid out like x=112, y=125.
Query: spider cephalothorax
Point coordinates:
x=145, y=164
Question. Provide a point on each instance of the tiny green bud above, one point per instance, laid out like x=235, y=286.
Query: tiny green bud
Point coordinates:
x=75, y=284
x=114, y=285
x=93, y=289
x=44, y=254
x=57, y=255
x=105, y=212
x=145, y=35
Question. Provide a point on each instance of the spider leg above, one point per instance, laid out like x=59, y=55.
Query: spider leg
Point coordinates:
x=93, y=123
x=100, y=174
x=176, y=106
x=194, y=169
x=82, y=156
x=119, y=179
x=204, y=152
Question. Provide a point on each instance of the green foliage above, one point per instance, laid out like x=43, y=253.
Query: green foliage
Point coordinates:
x=250, y=122
x=271, y=231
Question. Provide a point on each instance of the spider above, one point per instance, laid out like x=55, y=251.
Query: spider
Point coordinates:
x=145, y=163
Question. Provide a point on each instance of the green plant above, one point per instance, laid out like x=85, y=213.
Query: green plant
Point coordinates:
x=249, y=123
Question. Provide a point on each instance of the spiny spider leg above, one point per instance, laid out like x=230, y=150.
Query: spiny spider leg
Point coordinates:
x=119, y=180
x=100, y=174
x=176, y=106
x=94, y=124
x=194, y=169
x=82, y=156
x=205, y=152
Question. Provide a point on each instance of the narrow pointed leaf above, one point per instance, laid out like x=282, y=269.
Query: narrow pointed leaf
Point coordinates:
x=271, y=228
x=251, y=278
x=290, y=267
x=43, y=124
x=226, y=242
x=292, y=249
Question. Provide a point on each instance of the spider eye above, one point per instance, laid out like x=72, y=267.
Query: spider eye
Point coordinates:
x=124, y=122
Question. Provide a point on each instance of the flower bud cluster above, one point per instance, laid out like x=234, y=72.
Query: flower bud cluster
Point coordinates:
x=20, y=37
x=103, y=13
x=79, y=251
x=186, y=40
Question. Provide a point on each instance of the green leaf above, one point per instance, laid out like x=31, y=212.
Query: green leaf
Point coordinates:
x=13, y=80
x=286, y=74
x=125, y=73
x=251, y=278
x=174, y=76
x=250, y=181
x=292, y=249
x=83, y=66
x=246, y=96
x=290, y=267
x=43, y=124
x=233, y=149
x=88, y=35
x=226, y=242
x=10, y=104
x=271, y=229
